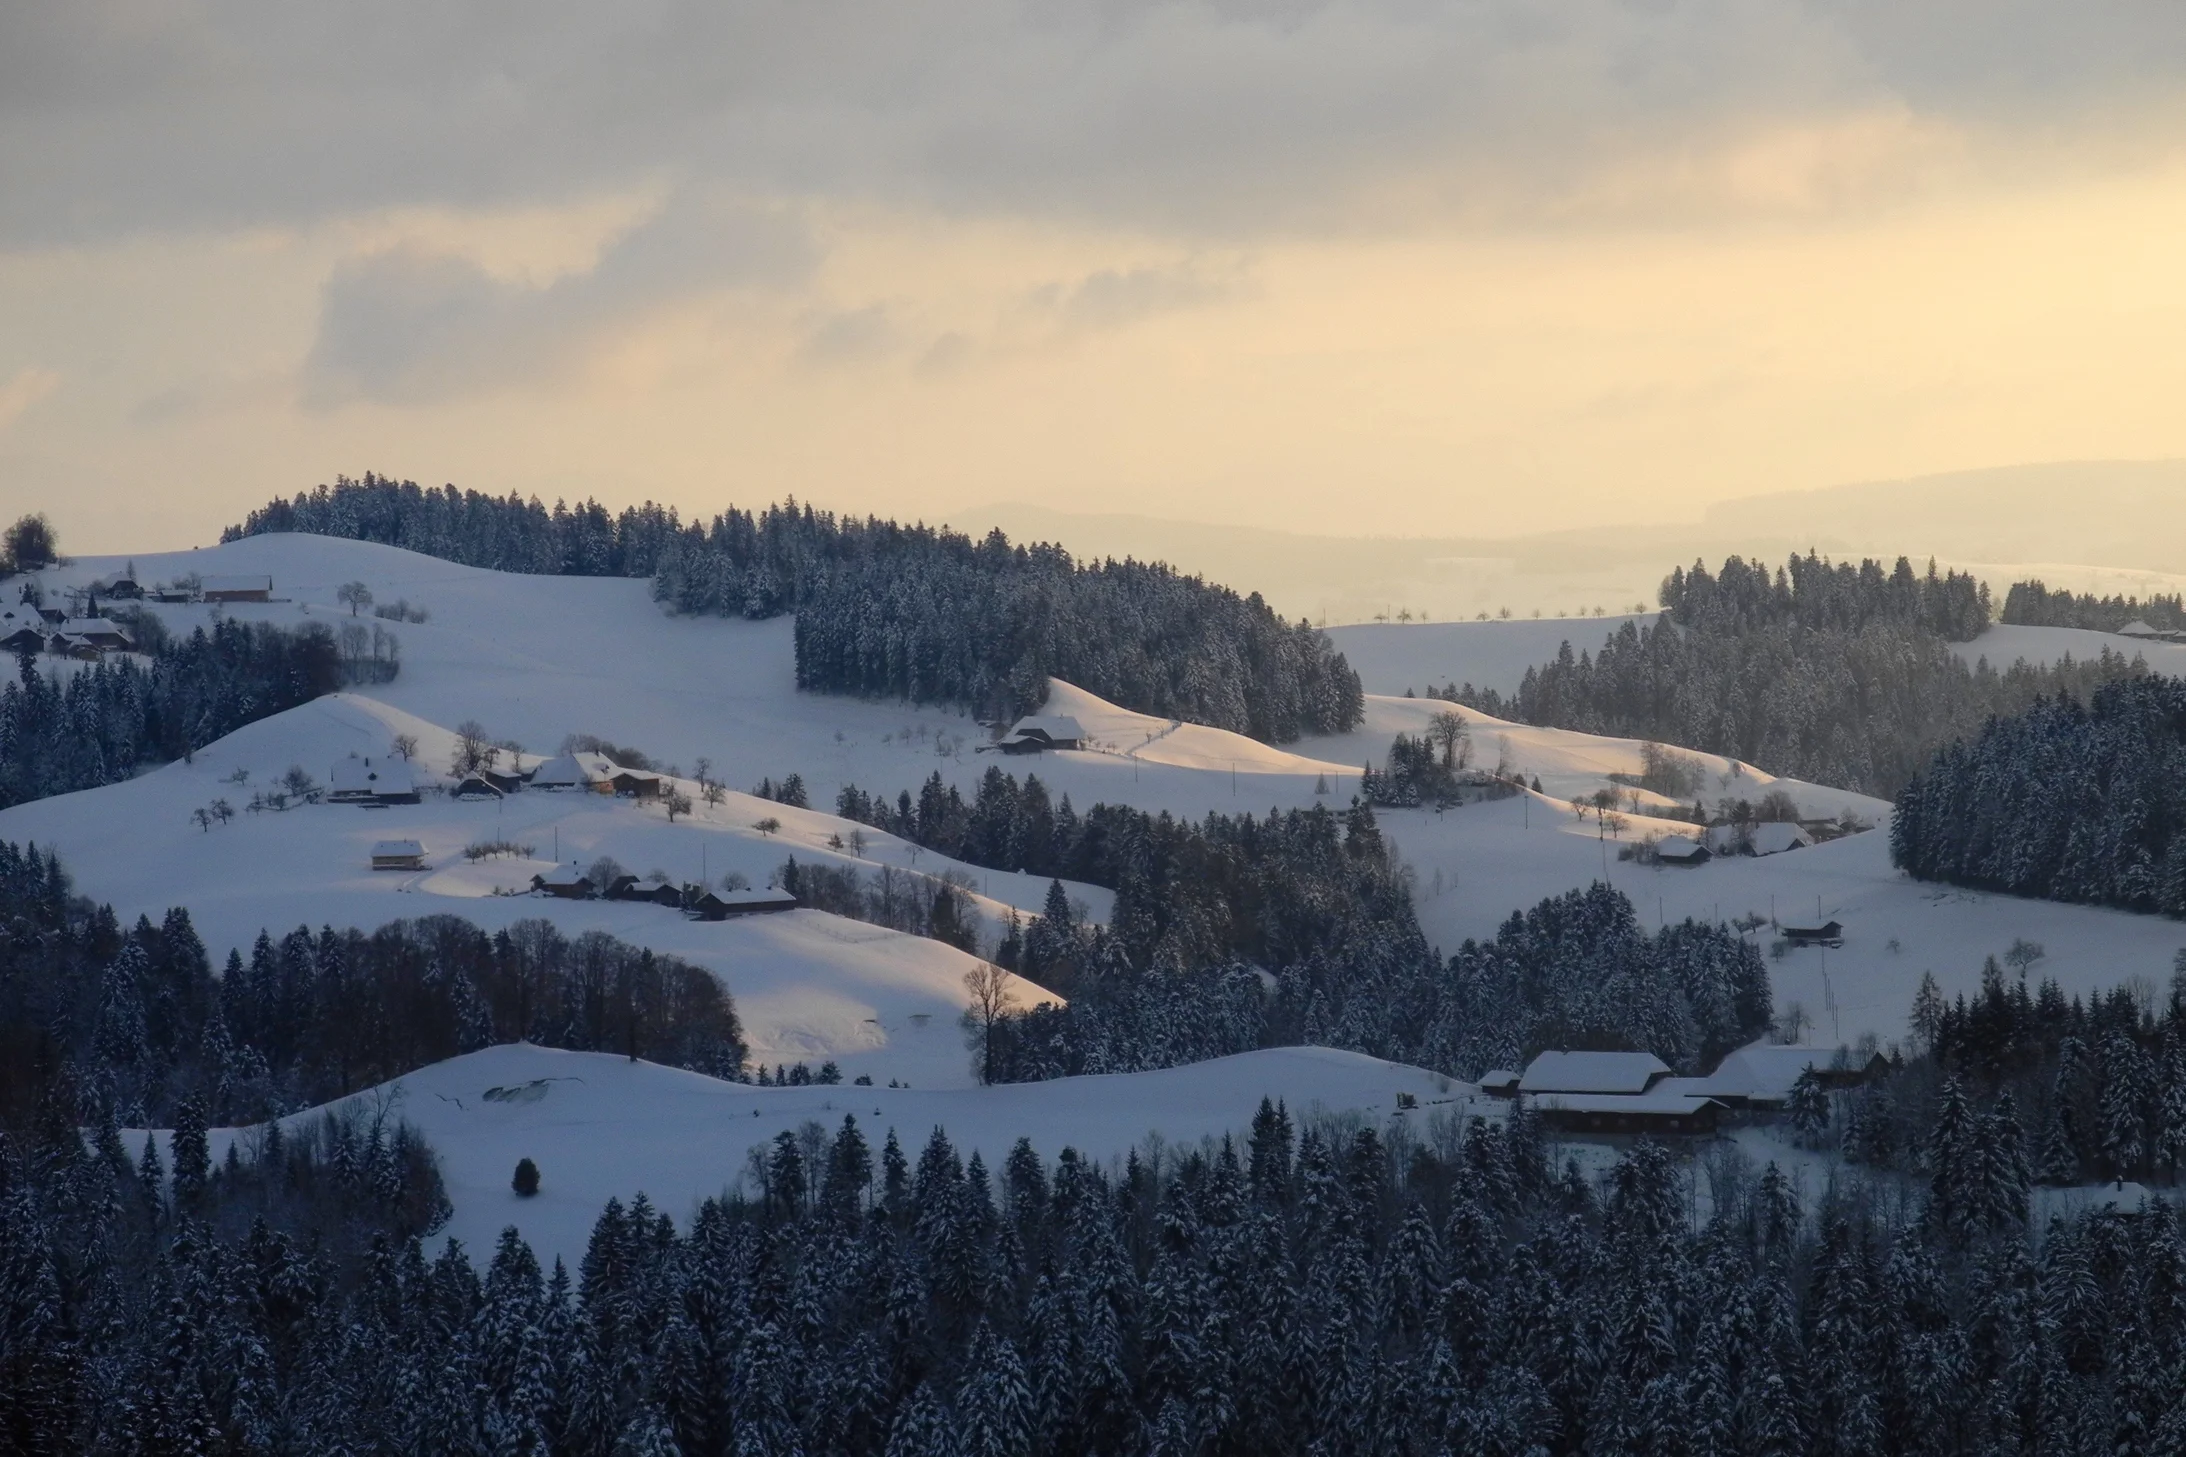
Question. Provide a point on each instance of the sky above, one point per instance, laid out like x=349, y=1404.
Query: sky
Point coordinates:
x=1339, y=266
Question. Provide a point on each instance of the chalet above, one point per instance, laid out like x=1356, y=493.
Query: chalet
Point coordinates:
x=506, y=782
x=1828, y=933
x=587, y=773
x=358, y=780
x=564, y=882
x=477, y=786
x=237, y=589
x=98, y=632
x=24, y=639
x=2122, y=1198
x=2138, y=628
x=398, y=855
x=1500, y=1083
x=621, y=886
x=1041, y=731
x=1681, y=850
x=67, y=645
x=123, y=588
x=723, y=904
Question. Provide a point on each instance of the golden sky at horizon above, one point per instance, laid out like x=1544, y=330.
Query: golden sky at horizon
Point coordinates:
x=1271, y=267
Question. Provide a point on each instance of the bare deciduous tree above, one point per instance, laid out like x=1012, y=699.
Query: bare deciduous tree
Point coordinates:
x=989, y=988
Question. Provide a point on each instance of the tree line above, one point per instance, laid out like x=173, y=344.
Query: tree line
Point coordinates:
x=103, y=722
x=2033, y=604
x=1409, y=1289
x=1828, y=673
x=888, y=610
x=2063, y=801
x=133, y=1020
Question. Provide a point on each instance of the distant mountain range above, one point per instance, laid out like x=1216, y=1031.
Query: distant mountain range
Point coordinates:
x=2091, y=525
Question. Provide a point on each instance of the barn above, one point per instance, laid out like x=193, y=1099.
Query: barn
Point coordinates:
x=1040, y=731
x=237, y=589
x=723, y=904
x=366, y=781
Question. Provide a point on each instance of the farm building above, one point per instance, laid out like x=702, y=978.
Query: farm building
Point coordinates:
x=1762, y=1076
x=477, y=786
x=98, y=632
x=359, y=780
x=1771, y=837
x=1593, y=1072
x=1042, y=731
x=1500, y=1083
x=720, y=905
x=237, y=589
x=1828, y=933
x=638, y=783
x=123, y=588
x=564, y=882
x=24, y=639
x=398, y=855
x=1681, y=850
x=590, y=773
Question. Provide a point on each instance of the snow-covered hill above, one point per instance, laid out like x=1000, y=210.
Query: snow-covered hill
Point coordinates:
x=535, y=658
x=601, y=1126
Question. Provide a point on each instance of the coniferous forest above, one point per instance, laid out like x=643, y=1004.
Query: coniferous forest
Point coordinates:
x=1831, y=673
x=103, y=722
x=887, y=610
x=2061, y=801
x=1428, y=1289
x=2033, y=604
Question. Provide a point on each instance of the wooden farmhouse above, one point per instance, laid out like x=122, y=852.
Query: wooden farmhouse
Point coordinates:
x=398, y=855
x=365, y=781
x=1040, y=731
x=721, y=905
x=580, y=773
x=1616, y=1092
x=1828, y=933
x=1681, y=850
x=564, y=882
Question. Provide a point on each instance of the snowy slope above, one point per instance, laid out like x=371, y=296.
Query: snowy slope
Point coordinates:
x=2006, y=645
x=601, y=1126
x=534, y=658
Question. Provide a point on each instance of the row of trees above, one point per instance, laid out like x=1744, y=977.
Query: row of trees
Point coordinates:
x=2060, y=801
x=885, y=609
x=134, y=1021
x=103, y=722
x=1832, y=674
x=1353, y=1291
x=2034, y=605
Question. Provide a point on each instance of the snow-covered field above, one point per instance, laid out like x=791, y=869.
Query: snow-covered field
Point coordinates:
x=535, y=658
x=602, y=1126
x=1393, y=656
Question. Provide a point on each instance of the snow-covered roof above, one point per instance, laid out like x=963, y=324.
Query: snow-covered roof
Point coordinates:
x=358, y=775
x=1766, y=1073
x=89, y=627
x=2138, y=628
x=391, y=849
x=562, y=875
x=236, y=584
x=1777, y=836
x=755, y=897
x=574, y=770
x=1501, y=1077
x=1679, y=847
x=1054, y=726
x=1592, y=1072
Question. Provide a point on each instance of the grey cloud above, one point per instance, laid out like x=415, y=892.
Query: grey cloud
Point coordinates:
x=1213, y=116
x=404, y=325
x=1112, y=298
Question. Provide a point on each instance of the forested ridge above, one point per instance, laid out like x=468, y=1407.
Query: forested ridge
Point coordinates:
x=100, y=723
x=1315, y=900
x=1415, y=1290
x=2033, y=604
x=1831, y=673
x=2061, y=801
x=133, y=1020
x=889, y=610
